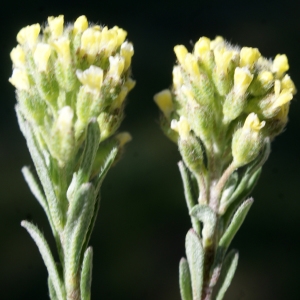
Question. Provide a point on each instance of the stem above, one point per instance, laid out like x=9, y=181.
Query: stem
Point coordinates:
x=217, y=190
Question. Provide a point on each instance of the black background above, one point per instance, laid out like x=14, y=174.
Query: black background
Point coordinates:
x=139, y=236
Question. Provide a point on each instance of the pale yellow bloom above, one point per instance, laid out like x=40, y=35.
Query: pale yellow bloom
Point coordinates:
x=90, y=43
x=120, y=35
x=56, y=26
x=80, y=25
x=177, y=77
x=41, y=56
x=265, y=78
x=130, y=84
x=92, y=79
x=62, y=47
x=182, y=127
x=242, y=80
x=202, y=47
x=280, y=64
x=127, y=52
x=164, y=101
x=116, y=67
x=253, y=123
x=181, y=53
x=120, y=99
x=29, y=35
x=190, y=64
x=17, y=56
x=123, y=138
x=65, y=119
x=19, y=79
x=249, y=56
x=222, y=58
x=217, y=42
x=287, y=83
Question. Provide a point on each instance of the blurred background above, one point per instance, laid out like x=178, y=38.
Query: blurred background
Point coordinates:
x=139, y=236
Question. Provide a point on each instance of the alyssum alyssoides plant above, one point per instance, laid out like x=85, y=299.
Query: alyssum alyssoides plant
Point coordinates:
x=71, y=82
x=225, y=107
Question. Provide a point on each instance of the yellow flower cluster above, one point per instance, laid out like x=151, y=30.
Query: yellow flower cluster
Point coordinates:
x=218, y=87
x=80, y=70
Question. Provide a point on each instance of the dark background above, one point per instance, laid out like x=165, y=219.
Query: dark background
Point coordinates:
x=139, y=236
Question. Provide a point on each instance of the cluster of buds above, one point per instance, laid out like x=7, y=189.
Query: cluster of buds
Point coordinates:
x=71, y=84
x=68, y=75
x=225, y=107
x=227, y=100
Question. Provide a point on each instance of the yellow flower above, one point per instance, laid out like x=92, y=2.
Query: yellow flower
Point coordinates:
x=280, y=64
x=41, y=56
x=91, y=79
x=19, y=79
x=164, y=102
x=80, y=25
x=17, y=56
x=181, y=53
x=127, y=52
x=249, y=56
x=182, y=127
x=29, y=35
x=242, y=80
x=56, y=26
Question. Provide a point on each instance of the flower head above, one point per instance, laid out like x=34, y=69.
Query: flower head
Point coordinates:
x=78, y=70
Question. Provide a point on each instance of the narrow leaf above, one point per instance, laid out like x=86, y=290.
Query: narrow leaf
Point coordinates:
x=86, y=274
x=235, y=224
x=209, y=218
x=80, y=215
x=188, y=193
x=227, y=273
x=52, y=293
x=36, y=191
x=90, y=150
x=247, y=184
x=108, y=162
x=47, y=258
x=185, y=280
x=195, y=258
x=37, y=156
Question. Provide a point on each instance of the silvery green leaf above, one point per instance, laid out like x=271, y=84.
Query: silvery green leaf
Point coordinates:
x=47, y=258
x=245, y=187
x=228, y=269
x=52, y=293
x=36, y=191
x=88, y=157
x=209, y=219
x=185, y=280
x=97, y=181
x=235, y=224
x=79, y=219
x=189, y=193
x=195, y=258
x=55, y=207
x=248, y=180
x=86, y=274
x=229, y=188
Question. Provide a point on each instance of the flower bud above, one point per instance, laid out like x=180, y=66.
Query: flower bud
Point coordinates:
x=249, y=56
x=56, y=26
x=17, y=56
x=80, y=25
x=20, y=80
x=29, y=35
x=247, y=141
x=242, y=80
x=280, y=65
x=41, y=56
x=164, y=102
